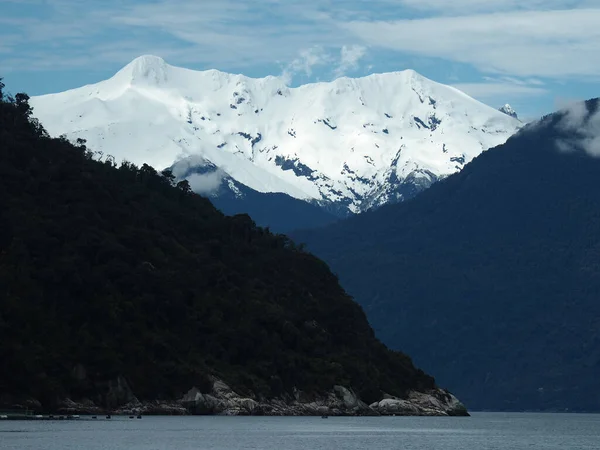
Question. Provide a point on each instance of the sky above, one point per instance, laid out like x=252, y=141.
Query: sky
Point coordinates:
x=534, y=54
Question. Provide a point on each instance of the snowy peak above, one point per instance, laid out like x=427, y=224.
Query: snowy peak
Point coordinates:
x=354, y=143
x=509, y=111
x=145, y=69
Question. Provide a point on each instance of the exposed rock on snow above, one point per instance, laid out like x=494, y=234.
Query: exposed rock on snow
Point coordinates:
x=509, y=111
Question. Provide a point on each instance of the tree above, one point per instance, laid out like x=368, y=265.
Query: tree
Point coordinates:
x=2, y=86
x=147, y=170
x=184, y=186
x=22, y=104
x=168, y=175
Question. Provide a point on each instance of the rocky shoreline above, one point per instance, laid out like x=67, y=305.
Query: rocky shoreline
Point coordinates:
x=222, y=400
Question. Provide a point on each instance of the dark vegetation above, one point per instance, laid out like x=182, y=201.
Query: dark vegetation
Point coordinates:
x=116, y=271
x=491, y=278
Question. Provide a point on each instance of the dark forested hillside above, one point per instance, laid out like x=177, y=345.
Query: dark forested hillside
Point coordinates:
x=115, y=271
x=491, y=278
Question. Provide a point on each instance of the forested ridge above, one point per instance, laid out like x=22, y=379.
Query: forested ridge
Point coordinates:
x=116, y=270
x=496, y=269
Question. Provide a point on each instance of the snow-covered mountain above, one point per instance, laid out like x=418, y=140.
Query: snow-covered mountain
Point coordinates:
x=349, y=143
x=509, y=111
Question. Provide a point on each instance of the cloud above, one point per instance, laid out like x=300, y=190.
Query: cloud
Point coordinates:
x=493, y=90
x=524, y=46
x=574, y=116
x=204, y=183
x=475, y=6
x=349, y=59
x=513, y=80
x=305, y=62
x=555, y=44
x=528, y=39
x=584, y=127
x=228, y=32
x=222, y=34
x=207, y=183
x=309, y=59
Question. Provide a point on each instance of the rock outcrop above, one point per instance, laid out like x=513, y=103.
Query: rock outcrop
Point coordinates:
x=223, y=400
x=437, y=402
x=340, y=401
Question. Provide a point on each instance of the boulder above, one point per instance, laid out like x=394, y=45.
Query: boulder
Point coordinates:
x=436, y=402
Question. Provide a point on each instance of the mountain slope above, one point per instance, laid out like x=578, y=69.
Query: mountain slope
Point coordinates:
x=280, y=212
x=356, y=143
x=112, y=277
x=490, y=279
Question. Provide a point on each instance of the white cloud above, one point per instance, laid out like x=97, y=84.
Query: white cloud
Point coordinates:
x=309, y=59
x=527, y=44
x=221, y=34
x=494, y=90
x=514, y=37
x=305, y=62
x=583, y=125
x=227, y=32
x=513, y=80
x=201, y=183
x=207, y=183
x=349, y=59
x=524, y=45
x=574, y=116
x=475, y=6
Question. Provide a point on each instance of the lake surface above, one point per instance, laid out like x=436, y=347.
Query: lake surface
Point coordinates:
x=482, y=431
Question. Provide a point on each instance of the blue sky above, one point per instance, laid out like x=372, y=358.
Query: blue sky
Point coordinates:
x=534, y=54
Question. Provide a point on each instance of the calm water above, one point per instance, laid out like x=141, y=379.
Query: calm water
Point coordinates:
x=483, y=431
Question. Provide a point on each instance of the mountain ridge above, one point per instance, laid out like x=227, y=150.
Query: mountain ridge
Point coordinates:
x=355, y=143
x=509, y=111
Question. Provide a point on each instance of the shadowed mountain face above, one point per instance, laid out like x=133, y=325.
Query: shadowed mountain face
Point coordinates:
x=490, y=278
x=281, y=213
x=112, y=273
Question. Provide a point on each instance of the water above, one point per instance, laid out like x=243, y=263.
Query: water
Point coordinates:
x=483, y=431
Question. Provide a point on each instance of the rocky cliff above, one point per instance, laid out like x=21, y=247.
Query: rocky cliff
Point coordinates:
x=221, y=399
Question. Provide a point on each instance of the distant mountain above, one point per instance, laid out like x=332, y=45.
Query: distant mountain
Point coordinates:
x=490, y=279
x=119, y=289
x=509, y=111
x=349, y=145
